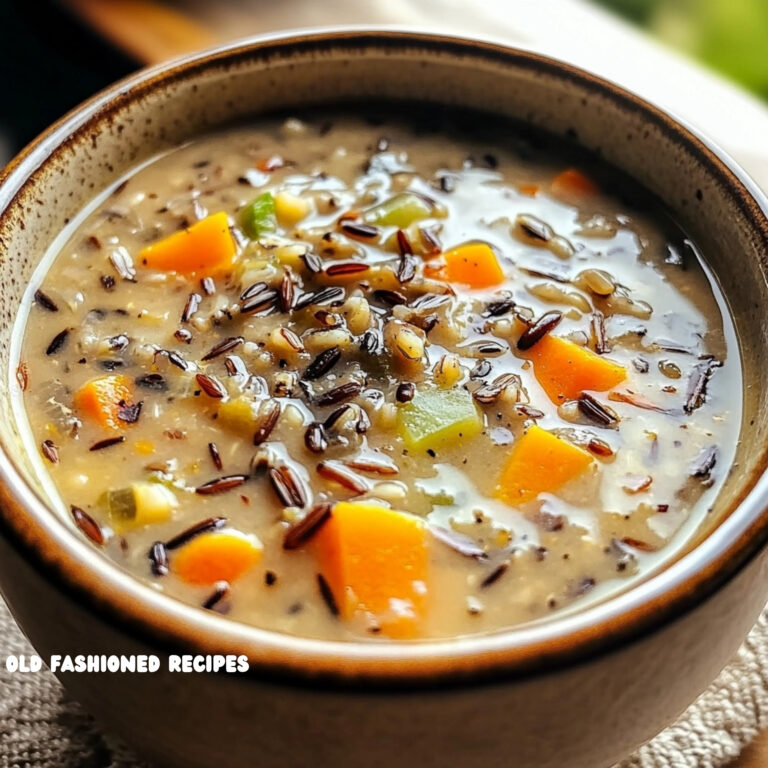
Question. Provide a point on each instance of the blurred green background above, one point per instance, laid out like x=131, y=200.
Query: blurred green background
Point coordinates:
x=729, y=35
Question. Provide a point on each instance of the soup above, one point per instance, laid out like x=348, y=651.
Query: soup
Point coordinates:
x=345, y=377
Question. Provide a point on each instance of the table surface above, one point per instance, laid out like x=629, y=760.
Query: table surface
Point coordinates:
x=150, y=31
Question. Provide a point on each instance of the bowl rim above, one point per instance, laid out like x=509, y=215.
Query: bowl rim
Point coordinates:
x=67, y=561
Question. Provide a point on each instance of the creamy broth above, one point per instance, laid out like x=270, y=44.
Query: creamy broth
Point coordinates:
x=395, y=281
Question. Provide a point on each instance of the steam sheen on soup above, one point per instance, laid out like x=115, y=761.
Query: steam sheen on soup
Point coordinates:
x=349, y=378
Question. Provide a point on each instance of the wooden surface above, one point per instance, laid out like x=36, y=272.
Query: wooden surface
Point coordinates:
x=755, y=756
x=151, y=32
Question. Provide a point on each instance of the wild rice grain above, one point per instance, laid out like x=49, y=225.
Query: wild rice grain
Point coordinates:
x=211, y=386
x=227, y=345
x=494, y=575
x=373, y=466
x=596, y=412
x=286, y=292
x=260, y=304
x=429, y=301
x=268, y=422
x=539, y=329
x=174, y=358
x=215, y=456
x=87, y=525
x=598, y=331
x=357, y=230
x=390, y=298
x=312, y=262
x=214, y=601
x=534, y=228
x=300, y=533
x=235, y=366
x=325, y=295
x=339, y=394
x=288, y=487
x=204, y=526
x=192, y=305
x=292, y=340
x=158, y=557
x=253, y=290
x=107, y=443
x=345, y=268
x=221, y=485
x=498, y=308
x=322, y=364
x=372, y=342
x=58, y=342
x=338, y=473
x=327, y=594
x=45, y=301
x=50, y=451
x=315, y=438
x=405, y=392
x=153, y=381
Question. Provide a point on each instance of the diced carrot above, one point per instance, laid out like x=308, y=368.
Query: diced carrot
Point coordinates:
x=531, y=190
x=540, y=462
x=216, y=556
x=473, y=264
x=571, y=183
x=101, y=399
x=565, y=369
x=205, y=248
x=375, y=561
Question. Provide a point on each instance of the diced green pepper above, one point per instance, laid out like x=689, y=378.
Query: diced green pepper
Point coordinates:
x=259, y=217
x=437, y=417
x=400, y=211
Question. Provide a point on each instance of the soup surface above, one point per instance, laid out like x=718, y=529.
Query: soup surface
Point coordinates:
x=345, y=378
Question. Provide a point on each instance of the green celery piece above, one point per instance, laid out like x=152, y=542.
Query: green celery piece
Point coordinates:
x=121, y=505
x=399, y=211
x=258, y=217
x=437, y=417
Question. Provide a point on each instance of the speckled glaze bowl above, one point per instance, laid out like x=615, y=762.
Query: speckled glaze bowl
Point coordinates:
x=581, y=690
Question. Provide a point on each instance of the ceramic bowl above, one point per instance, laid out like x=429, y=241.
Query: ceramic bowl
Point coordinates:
x=581, y=690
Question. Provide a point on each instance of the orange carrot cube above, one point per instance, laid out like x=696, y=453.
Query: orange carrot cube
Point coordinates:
x=473, y=264
x=565, y=369
x=216, y=556
x=205, y=248
x=101, y=399
x=540, y=462
x=375, y=561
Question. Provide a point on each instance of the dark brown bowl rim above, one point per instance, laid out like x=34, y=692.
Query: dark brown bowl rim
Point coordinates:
x=65, y=560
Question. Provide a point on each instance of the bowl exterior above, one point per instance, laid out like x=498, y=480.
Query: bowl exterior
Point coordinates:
x=582, y=698
x=585, y=716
